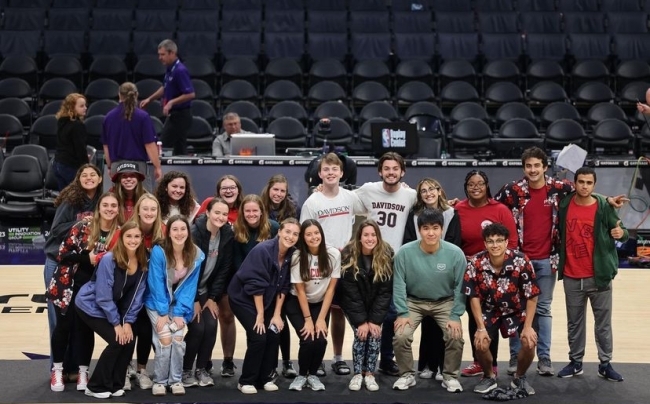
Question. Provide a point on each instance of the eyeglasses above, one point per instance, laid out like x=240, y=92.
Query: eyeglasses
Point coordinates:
x=230, y=188
x=476, y=186
x=492, y=242
x=425, y=191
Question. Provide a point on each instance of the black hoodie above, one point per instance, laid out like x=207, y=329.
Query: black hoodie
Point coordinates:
x=222, y=272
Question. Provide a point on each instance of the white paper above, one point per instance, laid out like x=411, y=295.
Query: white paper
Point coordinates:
x=572, y=157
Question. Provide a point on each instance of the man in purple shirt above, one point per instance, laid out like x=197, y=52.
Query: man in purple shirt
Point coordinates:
x=177, y=92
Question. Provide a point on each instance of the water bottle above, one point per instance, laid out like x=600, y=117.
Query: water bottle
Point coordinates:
x=443, y=154
x=160, y=151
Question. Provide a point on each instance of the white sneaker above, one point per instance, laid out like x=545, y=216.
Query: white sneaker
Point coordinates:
x=314, y=383
x=143, y=380
x=104, y=394
x=247, y=389
x=178, y=389
x=452, y=385
x=404, y=382
x=158, y=389
x=56, y=380
x=356, y=382
x=118, y=393
x=426, y=373
x=371, y=383
x=127, y=383
x=130, y=371
x=298, y=383
x=270, y=386
x=439, y=377
x=82, y=381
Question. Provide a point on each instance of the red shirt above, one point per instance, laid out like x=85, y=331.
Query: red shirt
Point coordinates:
x=473, y=220
x=128, y=209
x=538, y=222
x=580, y=240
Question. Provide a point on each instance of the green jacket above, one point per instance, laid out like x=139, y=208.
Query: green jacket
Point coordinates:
x=605, y=258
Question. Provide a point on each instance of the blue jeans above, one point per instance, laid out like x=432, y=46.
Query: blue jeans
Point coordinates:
x=168, y=359
x=543, y=322
x=64, y=174
x=48, y=271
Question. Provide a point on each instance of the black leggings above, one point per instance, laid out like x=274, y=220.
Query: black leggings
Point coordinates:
x=311, y=352
x=200, y=338
x=432, y=346
x=142, y=330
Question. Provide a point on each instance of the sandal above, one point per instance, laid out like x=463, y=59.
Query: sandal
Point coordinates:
x=341, y=368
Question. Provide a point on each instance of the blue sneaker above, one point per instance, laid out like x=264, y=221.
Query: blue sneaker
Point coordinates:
x=572, y=369
x=606, y=371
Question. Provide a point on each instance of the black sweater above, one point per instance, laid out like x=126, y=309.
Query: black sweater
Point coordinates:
x=71, y=143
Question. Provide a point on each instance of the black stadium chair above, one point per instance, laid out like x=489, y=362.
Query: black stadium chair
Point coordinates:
x=21, y=180
x=12, y=131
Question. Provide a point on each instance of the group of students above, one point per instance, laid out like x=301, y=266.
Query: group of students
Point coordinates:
x=264, y=260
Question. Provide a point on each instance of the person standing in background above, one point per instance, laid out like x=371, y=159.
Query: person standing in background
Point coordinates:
x=71, y=139
x=128, y=133
x=177, y=92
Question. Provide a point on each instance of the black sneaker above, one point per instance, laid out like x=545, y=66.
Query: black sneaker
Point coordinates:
x=606, y=371
x=228, y=368
x=288, y=370
x=570, y=370
x=273, y=377
x=389, y=368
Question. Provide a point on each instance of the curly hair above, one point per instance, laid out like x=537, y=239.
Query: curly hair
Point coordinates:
x=68, y=105
x=324, y=259
x=120, y=255
x=485, y=179
x=185, y=204
x=286, y=208
x=74, y=194
x=241, y=227
x=382, y=254
x=442, y=195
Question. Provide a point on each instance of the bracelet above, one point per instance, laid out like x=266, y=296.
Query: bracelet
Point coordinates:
x=481, y=330
x=307, y=317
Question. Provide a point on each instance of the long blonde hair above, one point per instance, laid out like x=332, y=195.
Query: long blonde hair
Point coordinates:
x=242, y=230
x=68, y=105
x=120, y=255
x=442, y=196
x=382, y=254
x=95, y=223
x=129, y=96
x=157, y=229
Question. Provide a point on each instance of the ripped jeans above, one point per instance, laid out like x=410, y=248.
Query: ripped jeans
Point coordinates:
x=168, y=359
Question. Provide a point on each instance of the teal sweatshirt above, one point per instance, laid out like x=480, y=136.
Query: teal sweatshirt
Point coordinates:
x=429, y=276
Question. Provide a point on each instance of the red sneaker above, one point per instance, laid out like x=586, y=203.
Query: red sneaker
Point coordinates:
x=474, y=369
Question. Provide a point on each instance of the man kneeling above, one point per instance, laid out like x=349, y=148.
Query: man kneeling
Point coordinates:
x=501, y=286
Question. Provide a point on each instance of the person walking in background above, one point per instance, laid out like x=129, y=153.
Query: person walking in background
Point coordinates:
x=257, y=293
x=315, y=270
x=366, y=293
x=588, y=264
x=177, y=93
x=109, y=304
x=174, y=270
x=71, y=139
x=213, y=235
x=128, y=133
